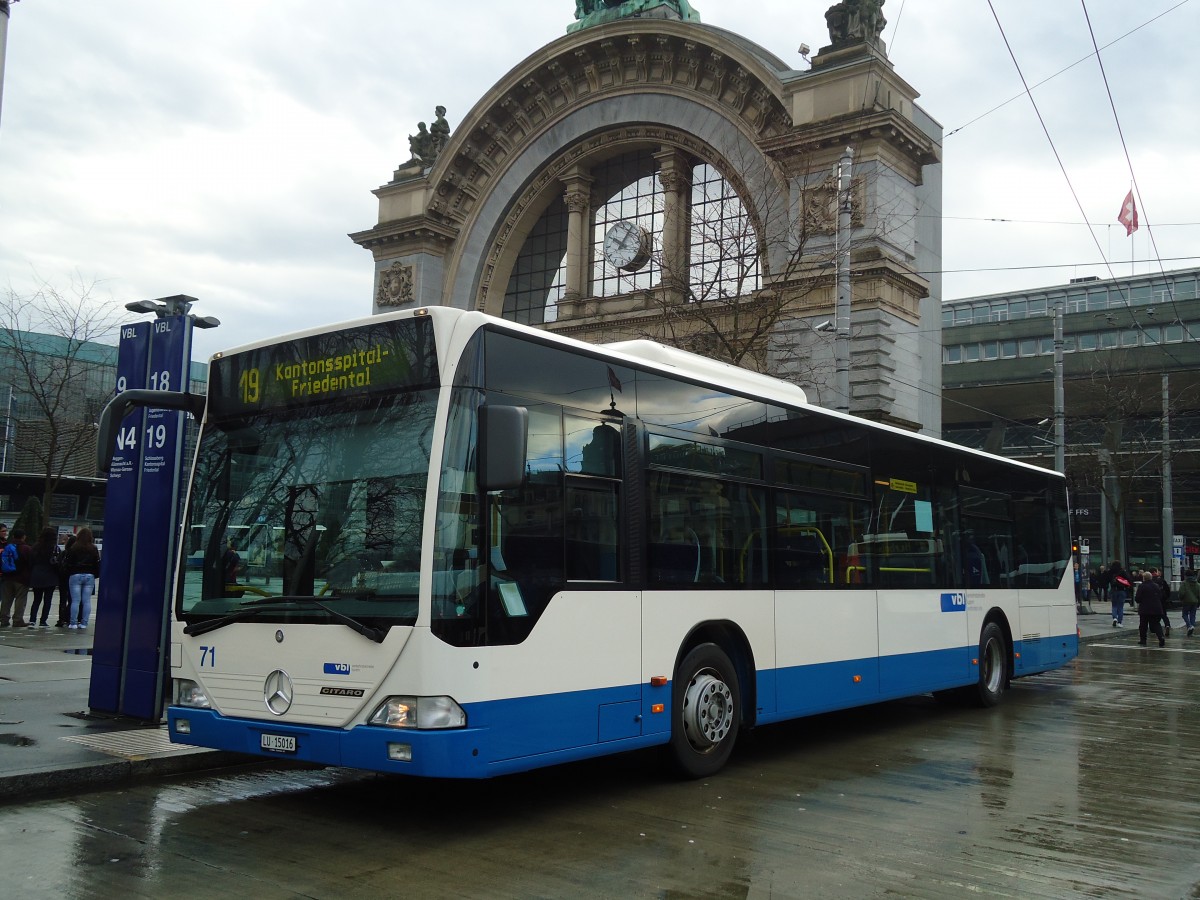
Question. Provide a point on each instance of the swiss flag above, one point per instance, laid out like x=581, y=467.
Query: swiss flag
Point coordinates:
x=1128, y=216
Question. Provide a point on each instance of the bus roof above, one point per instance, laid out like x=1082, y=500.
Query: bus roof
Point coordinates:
x=644, y=354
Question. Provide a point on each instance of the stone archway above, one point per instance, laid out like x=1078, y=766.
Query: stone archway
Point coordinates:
x=674, y=84
x=450, y=232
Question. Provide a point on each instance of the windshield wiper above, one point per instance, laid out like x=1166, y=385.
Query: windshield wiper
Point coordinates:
x=253, y=607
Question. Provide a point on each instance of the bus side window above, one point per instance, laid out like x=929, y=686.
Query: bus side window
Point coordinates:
x=592, y=517
x=803, y=557
x=985, y=523
x=701, y=529
x=674, y=551
x=816, y=541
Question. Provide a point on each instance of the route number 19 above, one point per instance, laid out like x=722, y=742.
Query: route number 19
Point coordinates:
x=248, y=383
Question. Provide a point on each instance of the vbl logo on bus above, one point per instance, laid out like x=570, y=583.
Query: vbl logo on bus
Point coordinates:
x=954, y=602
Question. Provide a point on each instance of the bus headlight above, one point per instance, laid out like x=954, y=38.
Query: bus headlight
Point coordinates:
x=419, y=712
x=188, y=693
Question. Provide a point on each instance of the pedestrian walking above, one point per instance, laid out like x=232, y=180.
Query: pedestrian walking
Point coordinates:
x=1150, y=611
x=1118, y=585
x=1166, y=597
x=43, y=576
x=14, y=579
x=82, y=563
x=1189, y=596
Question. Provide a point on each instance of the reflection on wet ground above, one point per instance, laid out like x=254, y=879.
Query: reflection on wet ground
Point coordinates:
x=1081, y=784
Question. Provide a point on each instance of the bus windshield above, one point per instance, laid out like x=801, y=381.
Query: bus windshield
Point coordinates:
x=322, y=501
x=310, y=479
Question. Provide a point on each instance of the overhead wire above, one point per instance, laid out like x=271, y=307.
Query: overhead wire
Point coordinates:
x=1133, y=176
x=1066, y=265
x=1061, y=165
x=1005, y=221
x=1028, y=92
x=1067, y=68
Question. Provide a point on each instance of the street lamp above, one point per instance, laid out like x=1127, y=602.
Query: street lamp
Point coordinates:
x=1042, y=423
x=1060, y=425
x=1059, y=420
x=178, y=305
x=842, y=306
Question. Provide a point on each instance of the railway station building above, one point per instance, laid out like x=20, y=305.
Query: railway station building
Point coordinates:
x=1131, y=400
x=648, y=175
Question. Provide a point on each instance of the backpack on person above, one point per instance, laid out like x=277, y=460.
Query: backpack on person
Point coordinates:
x=9, y=560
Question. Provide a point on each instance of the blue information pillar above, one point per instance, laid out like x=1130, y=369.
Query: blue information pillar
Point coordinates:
x=138, y=639
x=146, y=648
x=120, y=506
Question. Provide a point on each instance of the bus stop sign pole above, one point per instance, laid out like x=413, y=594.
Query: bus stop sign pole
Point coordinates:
x=130, y=649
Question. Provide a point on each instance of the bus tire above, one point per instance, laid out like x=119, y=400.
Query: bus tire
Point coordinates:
x=706, y=711
x=993, y=667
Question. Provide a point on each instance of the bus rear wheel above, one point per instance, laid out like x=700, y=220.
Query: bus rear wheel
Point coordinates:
x=993, y=667
x=994, y=675
x=706, y=711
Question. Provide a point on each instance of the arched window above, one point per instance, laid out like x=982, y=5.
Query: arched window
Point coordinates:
x=722, y=258
x=536, y=283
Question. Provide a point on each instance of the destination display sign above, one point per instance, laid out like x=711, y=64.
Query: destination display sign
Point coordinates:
x=380, y=357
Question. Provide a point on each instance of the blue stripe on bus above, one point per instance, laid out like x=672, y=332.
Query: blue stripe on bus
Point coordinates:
x=1045, y=653
x=507, y=736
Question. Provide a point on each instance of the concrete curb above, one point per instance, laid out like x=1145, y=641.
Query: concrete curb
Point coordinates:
x=51, y=782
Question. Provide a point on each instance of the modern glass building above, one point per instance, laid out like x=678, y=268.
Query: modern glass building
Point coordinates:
x=1131, y=387
x=52, y=391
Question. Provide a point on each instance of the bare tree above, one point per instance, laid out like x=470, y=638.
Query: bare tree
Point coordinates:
x=58, y=367
x=1127, y=400
x=754, y=274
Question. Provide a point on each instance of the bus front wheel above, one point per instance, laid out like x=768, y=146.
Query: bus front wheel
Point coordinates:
x=706, y=710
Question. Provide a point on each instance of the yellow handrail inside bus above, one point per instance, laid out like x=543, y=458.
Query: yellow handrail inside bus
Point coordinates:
x=852, y=569
x=827, y=567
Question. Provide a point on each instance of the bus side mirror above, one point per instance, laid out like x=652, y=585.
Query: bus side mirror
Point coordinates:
x=503, y=440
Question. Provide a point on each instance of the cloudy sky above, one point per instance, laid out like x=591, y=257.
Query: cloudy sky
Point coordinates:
x=224, y=149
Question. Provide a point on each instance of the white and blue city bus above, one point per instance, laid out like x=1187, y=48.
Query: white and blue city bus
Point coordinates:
x=478, y=548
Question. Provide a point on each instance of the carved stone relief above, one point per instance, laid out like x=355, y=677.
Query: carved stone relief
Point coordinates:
x=820, y=206
x=396, y=285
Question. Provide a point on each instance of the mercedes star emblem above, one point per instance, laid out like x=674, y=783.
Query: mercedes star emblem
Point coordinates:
x=278, y=692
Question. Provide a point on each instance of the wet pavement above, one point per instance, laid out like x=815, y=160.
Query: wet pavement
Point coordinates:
x=50, y=742
x=1081, y=784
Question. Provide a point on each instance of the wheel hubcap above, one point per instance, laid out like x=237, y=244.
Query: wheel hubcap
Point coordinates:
x=707, y=711
x=992, y=666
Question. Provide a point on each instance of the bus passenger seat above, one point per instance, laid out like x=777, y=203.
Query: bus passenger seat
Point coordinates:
x=674, y=563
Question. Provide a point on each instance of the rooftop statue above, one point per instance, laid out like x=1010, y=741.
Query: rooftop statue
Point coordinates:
x=426, y=144
x=855, y=22
x=439, y=130
x=597, y=12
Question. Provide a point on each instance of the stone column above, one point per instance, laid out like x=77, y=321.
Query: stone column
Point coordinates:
x=675, y=173
x=578, y=199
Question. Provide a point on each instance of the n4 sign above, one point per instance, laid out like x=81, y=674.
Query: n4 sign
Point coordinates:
x=156, y=437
